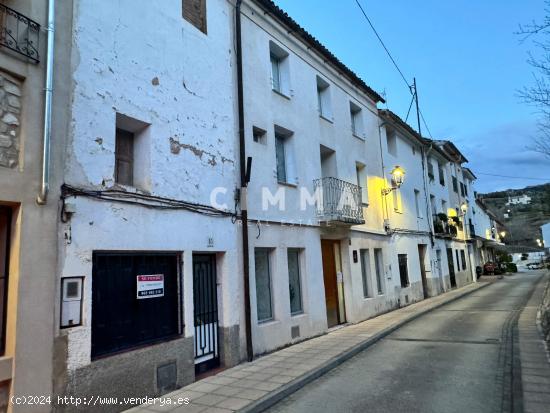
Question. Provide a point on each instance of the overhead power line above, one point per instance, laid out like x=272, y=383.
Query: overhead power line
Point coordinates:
x=411, y=89
x=514, y=177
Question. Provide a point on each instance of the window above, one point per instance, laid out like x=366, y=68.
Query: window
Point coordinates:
x=120, y=319
x=194, y=11
x=281, y=159
x=259, y=135
x=279, y=69
x=323, y=99
x=275, y=73
x=391, y=138
x=365, y=272
x=431, y=170
x=403, y=270
x=444, y=206
x=132, y=152
x=417, y=203
x=463, y=258
x=379, y=267
x=455, y=184
x=361, y=172
x=124, y=157
x=5, y=232
x=284, y=156
x=462, y=189
x=263, y=284
x=356, y=116
x=294, y=281
x=441, y=174
x=432, y=205
x=457, y=260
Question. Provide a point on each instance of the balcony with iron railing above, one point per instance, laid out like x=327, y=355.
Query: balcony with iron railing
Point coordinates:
x=19, y=33
x=442, y=228
x=338, y=201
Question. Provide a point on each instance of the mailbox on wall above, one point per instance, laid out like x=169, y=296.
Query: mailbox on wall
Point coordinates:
x=71, y=301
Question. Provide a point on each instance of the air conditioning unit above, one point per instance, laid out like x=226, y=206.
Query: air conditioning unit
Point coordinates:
x=71, y=301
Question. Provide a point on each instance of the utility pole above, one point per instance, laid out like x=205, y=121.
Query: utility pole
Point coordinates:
x=417, y=107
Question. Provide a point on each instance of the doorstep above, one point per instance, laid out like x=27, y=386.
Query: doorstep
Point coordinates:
x=255, y=386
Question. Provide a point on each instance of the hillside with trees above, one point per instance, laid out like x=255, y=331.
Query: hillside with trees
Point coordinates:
x=522, y=221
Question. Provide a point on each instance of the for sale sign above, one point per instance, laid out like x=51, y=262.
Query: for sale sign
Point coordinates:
x=150, y=286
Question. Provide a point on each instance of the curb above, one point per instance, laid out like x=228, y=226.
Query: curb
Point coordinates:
x=286, y=390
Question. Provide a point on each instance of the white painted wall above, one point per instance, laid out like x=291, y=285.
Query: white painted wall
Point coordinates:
x=180, y=81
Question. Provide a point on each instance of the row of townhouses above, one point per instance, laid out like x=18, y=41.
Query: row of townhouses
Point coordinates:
x=186, y=185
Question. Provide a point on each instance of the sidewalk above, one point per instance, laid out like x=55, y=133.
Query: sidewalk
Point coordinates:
x=252, y=387
x=534, y=356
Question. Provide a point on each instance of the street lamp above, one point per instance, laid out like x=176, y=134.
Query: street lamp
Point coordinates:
x=502, y=234
x=464, y=208
x=397, y=178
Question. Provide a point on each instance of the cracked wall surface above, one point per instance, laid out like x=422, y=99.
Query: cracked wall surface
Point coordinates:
x=10, y=119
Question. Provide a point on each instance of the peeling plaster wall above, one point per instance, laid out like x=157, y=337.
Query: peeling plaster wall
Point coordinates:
x=154, y=73
x=143, y=60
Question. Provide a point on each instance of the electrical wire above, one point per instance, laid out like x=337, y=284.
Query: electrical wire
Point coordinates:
x=409, y=87
x=144, y=200
x=514, y=177
x=383, y=44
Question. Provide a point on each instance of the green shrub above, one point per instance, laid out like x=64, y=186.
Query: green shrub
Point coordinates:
x=511, y=267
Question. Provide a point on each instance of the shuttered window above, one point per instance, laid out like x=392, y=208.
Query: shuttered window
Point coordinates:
x=194, y=11
x=124, y=157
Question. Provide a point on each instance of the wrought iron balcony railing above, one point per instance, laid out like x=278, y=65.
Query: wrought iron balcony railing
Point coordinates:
x=19, y=33
x=338, y=201
x=443, y=228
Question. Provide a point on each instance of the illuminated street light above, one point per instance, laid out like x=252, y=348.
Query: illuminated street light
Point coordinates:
x=397, y=178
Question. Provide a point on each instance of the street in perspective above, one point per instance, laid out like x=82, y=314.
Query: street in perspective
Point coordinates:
x=216, y=206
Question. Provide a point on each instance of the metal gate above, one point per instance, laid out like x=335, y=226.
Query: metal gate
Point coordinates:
x=121, y=320
x=450, y=260
x=205, y=299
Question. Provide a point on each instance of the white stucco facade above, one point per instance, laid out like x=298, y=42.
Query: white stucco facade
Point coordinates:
x=173, y=87
x=180, y=104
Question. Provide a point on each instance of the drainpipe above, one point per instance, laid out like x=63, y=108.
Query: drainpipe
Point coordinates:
x=42, y=197
x=245, y=176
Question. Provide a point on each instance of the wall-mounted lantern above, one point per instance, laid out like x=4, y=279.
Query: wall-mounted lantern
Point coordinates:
x=464, y=208
x=397, y=178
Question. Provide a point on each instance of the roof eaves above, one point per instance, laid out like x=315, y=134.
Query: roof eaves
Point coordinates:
x=270, y=7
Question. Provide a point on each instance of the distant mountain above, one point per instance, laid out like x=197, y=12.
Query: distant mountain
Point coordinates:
x=522, y=216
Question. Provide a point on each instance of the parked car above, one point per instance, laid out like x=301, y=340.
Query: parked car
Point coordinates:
x=489, y=268
x=535, y=266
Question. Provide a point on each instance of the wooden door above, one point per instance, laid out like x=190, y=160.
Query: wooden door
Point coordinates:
x=331, y=285
x=421, y=257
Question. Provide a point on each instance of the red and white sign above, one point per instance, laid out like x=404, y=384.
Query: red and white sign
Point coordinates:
x=150, y=286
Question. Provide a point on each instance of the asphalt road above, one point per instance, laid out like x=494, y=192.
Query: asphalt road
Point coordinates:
x=455, y=359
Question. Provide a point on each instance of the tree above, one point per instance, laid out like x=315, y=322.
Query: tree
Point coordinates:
x=538, y=94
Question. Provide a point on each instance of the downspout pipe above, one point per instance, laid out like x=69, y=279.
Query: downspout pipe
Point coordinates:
x=42, y=197
x=244, y=184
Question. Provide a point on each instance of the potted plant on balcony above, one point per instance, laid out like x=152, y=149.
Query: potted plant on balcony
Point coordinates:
x=442, y=217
